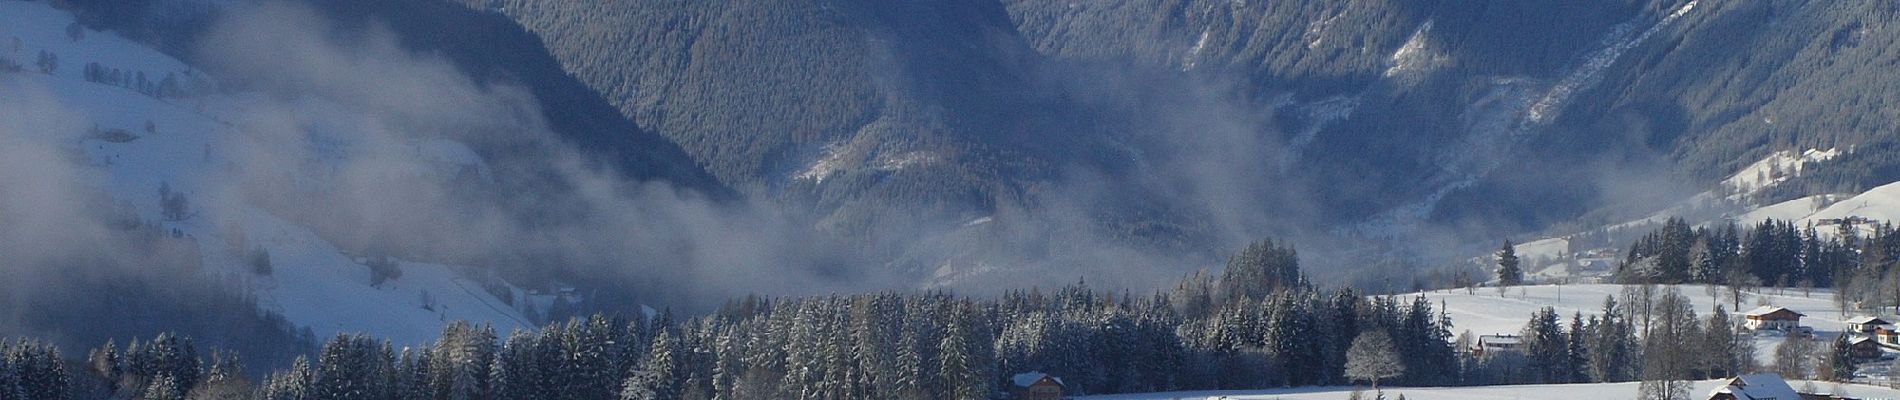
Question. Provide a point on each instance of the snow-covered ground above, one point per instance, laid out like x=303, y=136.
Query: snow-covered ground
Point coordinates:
x=314, y=283
x=1776, y=168
x=1483, y=311
x=1591, y=391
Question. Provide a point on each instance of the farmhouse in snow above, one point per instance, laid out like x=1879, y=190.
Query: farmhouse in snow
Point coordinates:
x=1035, y=386
x=1494, y=344
x=1863, y=347
x=1887, y=336
x=1755, y=387
x=1866, y=324
x=1771, y=318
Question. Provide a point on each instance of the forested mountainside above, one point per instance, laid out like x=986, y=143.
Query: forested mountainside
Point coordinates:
x=1398, y=118
x=492, y=49
x=1699, y=95
x=962, y=142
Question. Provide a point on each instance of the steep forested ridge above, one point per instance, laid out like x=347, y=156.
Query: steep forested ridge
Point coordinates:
x=949, y=139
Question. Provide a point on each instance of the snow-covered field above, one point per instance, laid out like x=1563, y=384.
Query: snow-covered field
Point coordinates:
x=1591, y=391
x=1484, y=311
x=314, y=283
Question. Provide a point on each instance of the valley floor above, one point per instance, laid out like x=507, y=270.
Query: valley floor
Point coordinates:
x=1582, y=391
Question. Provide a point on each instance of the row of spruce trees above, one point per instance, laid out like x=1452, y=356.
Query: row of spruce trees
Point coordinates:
x=1859, y=258
x=1260, y=325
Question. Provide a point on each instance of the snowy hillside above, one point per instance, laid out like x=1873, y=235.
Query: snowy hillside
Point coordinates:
x=135, y=143
x=1556, y=257
x=1590, y=391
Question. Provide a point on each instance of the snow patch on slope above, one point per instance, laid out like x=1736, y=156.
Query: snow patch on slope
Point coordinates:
x=313, y=283
x=1413, y=55
x=1775, y=169
x=1194, y=54
x=1591, y=71
x=1506, y=116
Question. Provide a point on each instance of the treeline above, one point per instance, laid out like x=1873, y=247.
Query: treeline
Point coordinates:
x=1203, y=334
x=1259, y=326
x=168, y=87
x=1771, y=252
x=1654, y=336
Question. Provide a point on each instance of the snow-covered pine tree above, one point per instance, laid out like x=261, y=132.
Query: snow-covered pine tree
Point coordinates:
x=9, y=376
x=657, y=379
x=162, y=388
x=105, y=362
x=958, y=366
x=41, y=371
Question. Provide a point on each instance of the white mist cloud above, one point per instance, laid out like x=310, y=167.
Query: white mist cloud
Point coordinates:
x=332, y=123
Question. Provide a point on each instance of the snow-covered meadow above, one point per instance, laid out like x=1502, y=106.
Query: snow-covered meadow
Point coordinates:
x=1581, y=391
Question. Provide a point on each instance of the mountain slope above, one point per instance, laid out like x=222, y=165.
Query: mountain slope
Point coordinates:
x=143, y=146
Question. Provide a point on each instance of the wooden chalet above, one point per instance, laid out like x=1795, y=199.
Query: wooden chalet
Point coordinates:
x=1866, y=324
x=1035, y=386
x=1771, y=318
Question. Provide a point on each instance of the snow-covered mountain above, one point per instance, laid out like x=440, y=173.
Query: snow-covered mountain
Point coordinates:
x=132, y=142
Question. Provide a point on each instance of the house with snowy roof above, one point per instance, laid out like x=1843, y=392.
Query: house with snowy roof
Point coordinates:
x=1035, y=386
x=1866, y=324
x=1771, y=318
x=1495, y=344
x=1863, y=347
x=1755, y=387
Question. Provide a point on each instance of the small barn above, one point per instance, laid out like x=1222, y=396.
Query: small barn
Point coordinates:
x=1035, y=386
x=1771, y=318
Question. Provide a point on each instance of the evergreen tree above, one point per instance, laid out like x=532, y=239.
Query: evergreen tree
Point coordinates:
x=1720, y=347
x=1509, y=272
x=959, y=369
x=1576, y=350
x=1261, y=269
x=1546, y=347
x=658, y=379
x=1611, y=346
x=9, y=376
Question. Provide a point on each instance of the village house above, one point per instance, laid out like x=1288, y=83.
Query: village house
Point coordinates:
x=1863, y=347
x=1771, y=318
x=1755, y=387
x=1765, y=387
x=1887, y=337
x=1494, y=344
x=1035, y=386
x=1866, y=324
